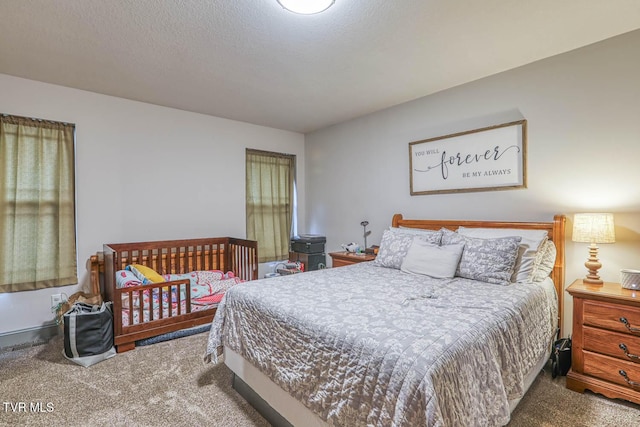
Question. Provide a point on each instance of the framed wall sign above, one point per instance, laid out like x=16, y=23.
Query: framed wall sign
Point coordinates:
x=491, y=158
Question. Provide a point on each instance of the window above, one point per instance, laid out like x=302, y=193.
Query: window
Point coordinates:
x=270, y=202
x=37, y=204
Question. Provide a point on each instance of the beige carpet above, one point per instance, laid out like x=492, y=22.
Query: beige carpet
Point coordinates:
x=167, y=384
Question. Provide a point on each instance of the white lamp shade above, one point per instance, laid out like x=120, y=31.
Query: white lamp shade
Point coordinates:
x=593, y=228
x=306, y=7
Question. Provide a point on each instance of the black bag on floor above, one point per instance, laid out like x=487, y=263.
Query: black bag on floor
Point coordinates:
x=561, y=357
x=88, y=333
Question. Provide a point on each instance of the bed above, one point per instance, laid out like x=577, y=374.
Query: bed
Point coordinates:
x=145, y=309
x=367, y=344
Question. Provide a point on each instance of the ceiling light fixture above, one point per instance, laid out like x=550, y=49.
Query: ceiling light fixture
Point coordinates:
x=306, y=7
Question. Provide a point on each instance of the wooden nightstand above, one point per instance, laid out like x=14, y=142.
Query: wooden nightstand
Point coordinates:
x=340, y=259
x=605, y=354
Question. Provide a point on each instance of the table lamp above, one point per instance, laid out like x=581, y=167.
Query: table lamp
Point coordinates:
x=593, y=228
x=366, y=233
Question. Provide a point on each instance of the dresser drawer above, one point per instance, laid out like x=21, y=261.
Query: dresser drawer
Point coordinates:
x=611, y=316
x=612, y=343
x=608, y=369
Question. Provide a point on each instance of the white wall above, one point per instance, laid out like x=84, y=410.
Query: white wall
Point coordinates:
x=583, y=148
x=143, y=172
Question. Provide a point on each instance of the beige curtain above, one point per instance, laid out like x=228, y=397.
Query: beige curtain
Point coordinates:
x=37, y=212
x=270, y=182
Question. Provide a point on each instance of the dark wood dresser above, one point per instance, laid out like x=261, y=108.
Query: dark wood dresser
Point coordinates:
x=605, y=354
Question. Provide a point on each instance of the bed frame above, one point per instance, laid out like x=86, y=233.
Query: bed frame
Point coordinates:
x=167, y=257
x=282, y=410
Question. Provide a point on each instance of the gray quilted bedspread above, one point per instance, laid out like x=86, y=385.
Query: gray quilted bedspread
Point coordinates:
x=366, y=345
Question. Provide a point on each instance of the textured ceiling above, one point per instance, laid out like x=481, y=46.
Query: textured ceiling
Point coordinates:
x=251, y=60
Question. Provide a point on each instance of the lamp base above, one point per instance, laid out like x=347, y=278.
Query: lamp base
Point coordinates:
x=589, y=281
x=593, y=265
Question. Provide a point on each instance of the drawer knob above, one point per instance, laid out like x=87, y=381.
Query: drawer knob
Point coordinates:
x=628, y=326
x=634, y=384
x=624, y=348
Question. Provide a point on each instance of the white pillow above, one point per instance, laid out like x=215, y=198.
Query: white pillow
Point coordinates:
x=395, y=244
x=531, y=242
x=432, y=260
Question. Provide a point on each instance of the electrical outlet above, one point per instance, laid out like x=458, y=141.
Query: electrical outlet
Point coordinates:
x=56, y=299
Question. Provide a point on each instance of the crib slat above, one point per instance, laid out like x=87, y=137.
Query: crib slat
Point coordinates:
x=151, y=307
x=131, y=307
x=175, y=260
x=140, y=309
x=188, y=301
x=170, y=261
x=165, y=261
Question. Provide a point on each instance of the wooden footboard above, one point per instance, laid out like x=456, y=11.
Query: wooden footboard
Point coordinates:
x=165, y=257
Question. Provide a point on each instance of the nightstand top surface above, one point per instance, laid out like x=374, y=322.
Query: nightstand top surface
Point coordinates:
x=359, y=257
x=608, y=290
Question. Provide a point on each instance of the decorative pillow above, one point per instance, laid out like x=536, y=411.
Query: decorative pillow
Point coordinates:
x=450, y=237
x=201, y=290
x=145, y=274
x=205, y=282
x=530, y=244
x=432, y=260
x=486, y=260
x=545, y=261
x=410, y=230
x=126, y=279
x=395, y=244
x=209, y=276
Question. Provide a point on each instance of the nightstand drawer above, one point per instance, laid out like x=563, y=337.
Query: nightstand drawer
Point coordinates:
x=340, y=262
x=612, y=316
x=612, y=343
x=608, y=369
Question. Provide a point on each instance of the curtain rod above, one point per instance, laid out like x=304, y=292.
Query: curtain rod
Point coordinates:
x=36, y=119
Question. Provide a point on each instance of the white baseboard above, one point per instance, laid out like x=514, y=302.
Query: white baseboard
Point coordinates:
x=28, y=337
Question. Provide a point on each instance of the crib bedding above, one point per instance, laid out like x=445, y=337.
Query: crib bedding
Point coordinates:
x=206, y=289
x=368, y=345
x=146, y=316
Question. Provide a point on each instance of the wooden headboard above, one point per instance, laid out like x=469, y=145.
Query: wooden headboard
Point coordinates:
x=554, y=229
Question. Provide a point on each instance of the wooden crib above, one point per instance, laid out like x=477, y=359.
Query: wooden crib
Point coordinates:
x=166, y=257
